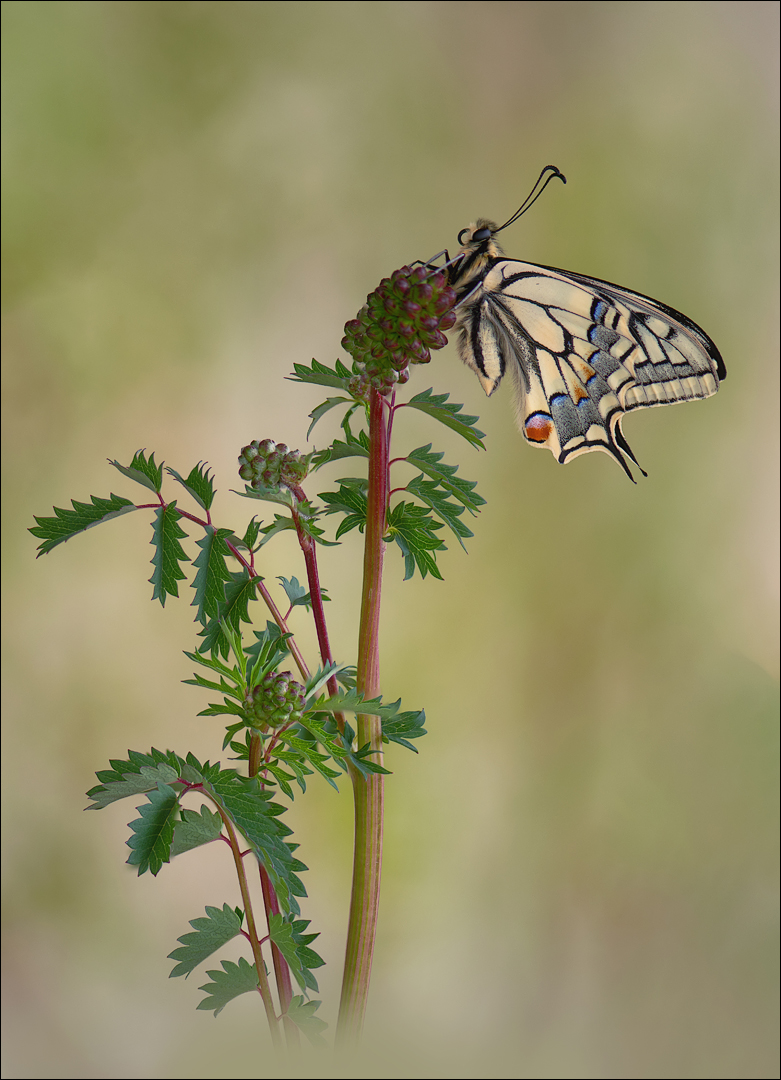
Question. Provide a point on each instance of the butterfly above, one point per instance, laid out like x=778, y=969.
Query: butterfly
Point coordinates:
x=580, y=352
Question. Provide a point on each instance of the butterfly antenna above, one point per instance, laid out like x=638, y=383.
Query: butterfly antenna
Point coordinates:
x=534, y=194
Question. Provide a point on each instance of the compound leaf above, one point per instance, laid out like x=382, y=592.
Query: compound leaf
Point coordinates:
x=145, y=472
x=212, y=573
x=219, y=927
x=430, y=462
x=195, y=829
x=150, y=845
x=67, y=523
x=303, y=1016
x=166, y=534
x=293, y=943
x=429, y=492
x=199, y=483
x=231, y=982
x=321, y=375
x=447, y=413
x=413, y=529
x=130, y=783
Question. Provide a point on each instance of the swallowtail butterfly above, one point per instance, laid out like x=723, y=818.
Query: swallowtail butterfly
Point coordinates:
x=580, y=352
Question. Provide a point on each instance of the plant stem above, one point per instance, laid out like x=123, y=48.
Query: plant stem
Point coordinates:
x=309, y=550
x=263, y=986
x=271, y=904
x=368, y=792
x=281, y=969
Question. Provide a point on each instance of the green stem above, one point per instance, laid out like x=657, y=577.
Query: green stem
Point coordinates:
x=368, y=793
x=263, y=986
x=271, y=904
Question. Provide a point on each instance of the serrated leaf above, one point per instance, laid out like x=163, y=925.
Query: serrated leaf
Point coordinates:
x=212, y=573
x=349, y=500
x=195, y=829
x=166, y=534
x=430, y=493
x=143, y=471
x=297, y=595
x=414, y=530
x=130, y=783
x=289, y=938
x=251, y=534
x=218, y=928
x=268, y=494
x=231, y=982
x=150, y=846
x=430, y=462
x=303, y=1016
x=321, y=410
x=352, y=447
x=447, y=413
x=404, y=726
x=321, y=375
x=67, y=523
x=268, y=650
x=234, y=610
x=254, y=814
x=199, y=483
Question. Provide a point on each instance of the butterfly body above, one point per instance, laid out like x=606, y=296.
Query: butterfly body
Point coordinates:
x=580, y=352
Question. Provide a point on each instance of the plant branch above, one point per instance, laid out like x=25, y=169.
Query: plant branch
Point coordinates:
x=271, y=904
x=368, y=792
x=263, y=986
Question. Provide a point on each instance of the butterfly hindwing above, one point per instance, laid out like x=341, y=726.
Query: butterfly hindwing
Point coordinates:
x=581, y=353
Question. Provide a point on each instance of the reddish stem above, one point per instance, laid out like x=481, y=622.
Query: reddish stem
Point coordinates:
x=368, y=792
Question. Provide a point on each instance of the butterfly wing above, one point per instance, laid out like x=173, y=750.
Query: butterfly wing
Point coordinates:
x=581, y=353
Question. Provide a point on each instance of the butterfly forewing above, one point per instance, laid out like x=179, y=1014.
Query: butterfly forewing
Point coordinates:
x=581, y=353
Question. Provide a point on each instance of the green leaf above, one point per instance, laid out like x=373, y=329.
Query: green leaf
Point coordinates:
x=199, y=483
x=353, y=447
x=234, y=610
x=431, y=464
x=438, y=406
x=268, y=650
x=250, y=809
x=251, y=535
x=321, y=375
x=218, y=928
x=267, y=494
x=143, y=471
x=429, y=492
x=280, y=524
x=296, y=593
x=194, y=830
x=302, y=751
x=289, y=938
x=212, y=573
x=67, y=523
x=154, y=830
x=413, y=529
x=232, y=981
x=349, y=500
x=130, y=783
x=303, y=1016
x=166, y=534
x=319, y=412
x=407, y=725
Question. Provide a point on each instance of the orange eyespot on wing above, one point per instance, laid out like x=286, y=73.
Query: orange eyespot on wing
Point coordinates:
x=538, y=427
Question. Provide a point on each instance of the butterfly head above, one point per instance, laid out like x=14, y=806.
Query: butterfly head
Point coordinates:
x=479, y=239
x=478, y=250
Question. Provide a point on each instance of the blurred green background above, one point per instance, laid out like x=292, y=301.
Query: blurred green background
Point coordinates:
x=580, y=874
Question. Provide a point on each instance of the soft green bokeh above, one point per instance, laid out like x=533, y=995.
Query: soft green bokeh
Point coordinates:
x=580, y=875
